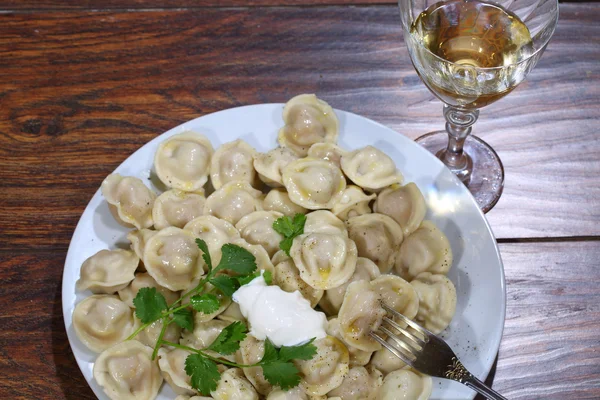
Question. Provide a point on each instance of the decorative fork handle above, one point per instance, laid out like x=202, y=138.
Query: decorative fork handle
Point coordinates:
x=459, y=373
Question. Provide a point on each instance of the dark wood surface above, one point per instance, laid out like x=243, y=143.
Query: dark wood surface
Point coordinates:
x=81, y=90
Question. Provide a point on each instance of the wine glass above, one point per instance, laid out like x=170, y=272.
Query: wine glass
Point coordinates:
x=470, y=53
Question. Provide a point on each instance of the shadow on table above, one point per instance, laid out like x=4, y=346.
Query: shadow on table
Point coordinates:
x=70, y=379
x=490, y=378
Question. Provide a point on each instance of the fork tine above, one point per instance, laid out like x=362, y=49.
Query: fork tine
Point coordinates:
x=409, y=322
x=408, y=360
x=399, y=341
x=418, y=341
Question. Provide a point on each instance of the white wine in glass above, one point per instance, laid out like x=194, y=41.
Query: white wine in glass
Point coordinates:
x=470, y=53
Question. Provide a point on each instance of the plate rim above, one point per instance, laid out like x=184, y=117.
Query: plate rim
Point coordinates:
x=496, y=338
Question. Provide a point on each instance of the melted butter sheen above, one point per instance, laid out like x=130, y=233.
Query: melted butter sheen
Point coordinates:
x=287, y=319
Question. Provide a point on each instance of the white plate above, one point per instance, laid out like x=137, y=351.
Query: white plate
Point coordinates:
x=477, y=272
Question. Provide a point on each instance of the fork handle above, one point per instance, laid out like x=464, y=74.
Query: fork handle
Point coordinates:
x=482, y=388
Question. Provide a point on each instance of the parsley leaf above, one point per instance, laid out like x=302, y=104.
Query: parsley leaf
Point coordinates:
x=206, y=303
x=204, y=373
x=304, y=351
x=271, y=353
x=228, y=341
x=268, y=277
x=281, y=373
x=225, y=284
x=244, y=280
x=205, y=253
x=184, y=318
x=237, y=259
x=149, y=304
x=289, y=228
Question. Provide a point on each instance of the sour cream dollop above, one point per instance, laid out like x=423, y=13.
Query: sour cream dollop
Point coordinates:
x=287, y=319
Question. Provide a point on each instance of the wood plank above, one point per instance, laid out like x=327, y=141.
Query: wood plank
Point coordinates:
x=79, y=92
x=171, y=4
x=550, y=348
x=551, y=343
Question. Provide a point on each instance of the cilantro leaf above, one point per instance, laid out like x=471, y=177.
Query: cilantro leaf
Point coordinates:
x=149, y=304
x=206, y=303
x=286, y=245
x=244, y=280
x=268, y=277
x=204, y=373
x=304, y=351
x=281, y=373
x=225, y=284
x=205, y=253
x=184, y=319
x=271, y=353
x=284, y=226
x=228, y=341
x=289, y=228
x=237, y=259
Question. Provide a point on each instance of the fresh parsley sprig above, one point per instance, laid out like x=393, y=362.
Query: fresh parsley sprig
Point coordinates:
x=151, y=305
x=289, y=228
x=202, y=364
x=277, y=365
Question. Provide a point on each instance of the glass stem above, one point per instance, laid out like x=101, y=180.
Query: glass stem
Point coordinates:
x=458, y=126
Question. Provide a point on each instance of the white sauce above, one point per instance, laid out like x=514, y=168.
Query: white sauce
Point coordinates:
x=287, y=319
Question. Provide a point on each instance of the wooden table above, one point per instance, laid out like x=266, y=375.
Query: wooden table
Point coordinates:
x=83, y=86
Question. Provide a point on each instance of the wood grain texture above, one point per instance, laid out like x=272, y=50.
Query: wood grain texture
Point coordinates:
x=79, y=92
x=551, y=343
x=550, y=348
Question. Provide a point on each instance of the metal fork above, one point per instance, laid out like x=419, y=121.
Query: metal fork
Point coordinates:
x=428, y=354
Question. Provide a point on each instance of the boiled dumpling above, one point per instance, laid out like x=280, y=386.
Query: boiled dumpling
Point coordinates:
x=214, y=231
x=149, y=336
x=437, y=301
x=308, y=120
x=233, y=161
x=234, y=386
x=183, y=161
x=278, y=200
x=204, y=333
x=377, y=238
x=126, y=372
x=370, y=168
x=101, y=321
x=405, y=384
x=360, y=384
x=233, y=200
x=138, y=239
x=327, y=369
x=108, y=271
x=361, y=312
x=405, y=204
x=397, y=294
x=177, y=208
x=366, y=270
x=385, y=361
x=357, y=357
x=172, y=367
x=232, y=314
x=142, y=280
x=354, y=202
x=130, y=201
x=257, y=228
x=270, y=165
x=426, y=250
x=296, y=393
x=327, y=151
x=252, y=351
x=173, y=259
x=313, y=183
x=325, y=261
x=287, y=277
x=323, y=221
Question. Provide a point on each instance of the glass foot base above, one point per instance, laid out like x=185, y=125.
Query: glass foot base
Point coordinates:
x=487, y=178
